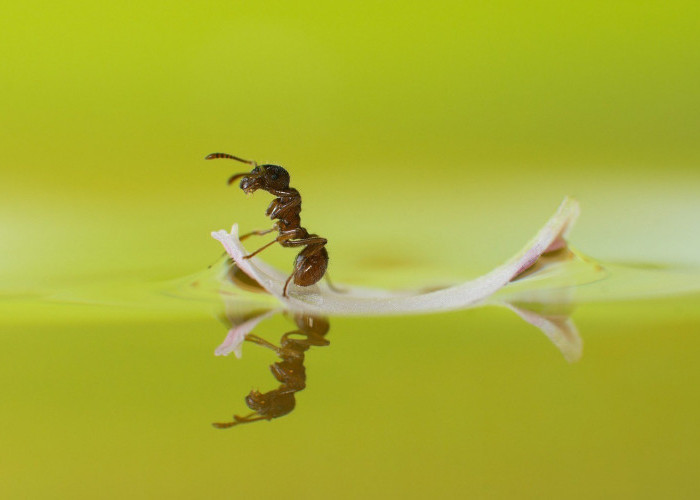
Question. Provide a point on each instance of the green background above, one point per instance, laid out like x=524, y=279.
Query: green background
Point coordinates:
x=429, y=141
x=401, y=123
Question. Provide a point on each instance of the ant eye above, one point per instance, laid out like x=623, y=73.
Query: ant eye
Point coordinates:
x=274, y=177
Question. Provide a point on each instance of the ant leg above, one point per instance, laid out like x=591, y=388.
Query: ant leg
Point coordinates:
x=262, y=342
x=256, y=233
x=236, y=420
x=312, y=339
x=331, y=286
x=224, y=425
x=286, y=284
x=277, y=207
x=260, y=249
x=303, y=242
x=280, y=239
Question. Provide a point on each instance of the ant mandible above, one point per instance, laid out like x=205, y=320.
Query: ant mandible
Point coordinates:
x=311, y=263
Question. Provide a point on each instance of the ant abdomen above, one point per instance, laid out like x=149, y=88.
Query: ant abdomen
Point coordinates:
x=310, y=266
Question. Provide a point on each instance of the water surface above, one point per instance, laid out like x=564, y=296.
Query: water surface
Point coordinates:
x=110, y=402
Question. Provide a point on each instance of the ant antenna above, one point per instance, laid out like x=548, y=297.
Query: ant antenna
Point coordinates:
x=226, y=425
x=216, y=156
x=240, y=420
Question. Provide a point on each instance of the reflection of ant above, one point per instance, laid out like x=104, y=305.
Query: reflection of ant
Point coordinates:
x=290, y=371
x=311, y=263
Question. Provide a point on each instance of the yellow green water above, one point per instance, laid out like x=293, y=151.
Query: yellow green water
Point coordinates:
x=429, y=141
x=469, y=403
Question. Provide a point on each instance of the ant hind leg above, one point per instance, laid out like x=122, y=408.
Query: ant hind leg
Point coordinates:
x=286, y=284
x=331, y=286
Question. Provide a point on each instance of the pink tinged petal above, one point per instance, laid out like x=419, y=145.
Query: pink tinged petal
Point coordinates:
x=319, y=299
x=557, y=244
x=559, y=329
x=236, y=336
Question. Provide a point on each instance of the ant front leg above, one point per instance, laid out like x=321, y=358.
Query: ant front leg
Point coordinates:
x=260, y=250
x=257, y=233
x=264, y=343
x=281, y=239
x=278, y=206
x=316, y=241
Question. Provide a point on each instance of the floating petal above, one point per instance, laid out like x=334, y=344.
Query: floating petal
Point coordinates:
x=320, y=299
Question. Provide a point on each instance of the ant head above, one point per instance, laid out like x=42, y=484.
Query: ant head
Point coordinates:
x=265, y=177
x=271, y=404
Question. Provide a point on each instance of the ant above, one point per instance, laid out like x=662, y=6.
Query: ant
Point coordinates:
x=312, y=262
x=290, y=371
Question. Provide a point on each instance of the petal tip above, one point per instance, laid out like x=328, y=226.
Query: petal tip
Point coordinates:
x=219, y=235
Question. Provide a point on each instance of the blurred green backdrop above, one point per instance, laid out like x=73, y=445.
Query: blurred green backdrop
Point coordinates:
x=426, y=127
x=429, y=140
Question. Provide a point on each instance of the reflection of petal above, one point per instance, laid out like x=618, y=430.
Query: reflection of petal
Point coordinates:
x=236, y=335
x=319, y=299
x=560, y=329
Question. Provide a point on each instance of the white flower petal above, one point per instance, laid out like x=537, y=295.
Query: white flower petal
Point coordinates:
x=559, y=329
x=236, y=335
x=320, y=299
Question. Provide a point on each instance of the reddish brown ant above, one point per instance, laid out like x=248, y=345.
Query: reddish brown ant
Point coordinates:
x=289, y=372
x=311, y=263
